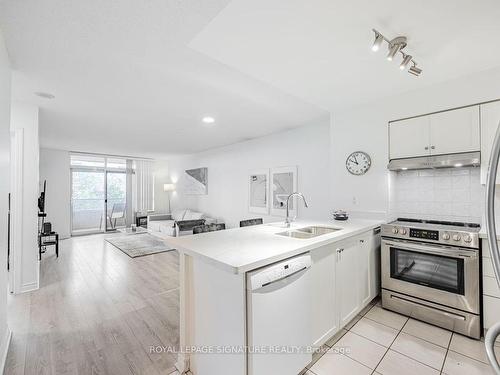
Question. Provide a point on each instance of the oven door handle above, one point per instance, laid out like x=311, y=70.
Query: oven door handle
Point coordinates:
x=432, y=249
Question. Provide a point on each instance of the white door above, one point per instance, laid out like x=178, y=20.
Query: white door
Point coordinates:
x=324, y=320
x=490, y=117
x=455, y=131
x=348, y=280
x=409, y=138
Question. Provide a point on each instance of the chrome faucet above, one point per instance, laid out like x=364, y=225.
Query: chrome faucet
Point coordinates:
x=288, y=221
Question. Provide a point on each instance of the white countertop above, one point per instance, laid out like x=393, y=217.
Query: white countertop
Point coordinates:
x=482, y=232
x=240, y=250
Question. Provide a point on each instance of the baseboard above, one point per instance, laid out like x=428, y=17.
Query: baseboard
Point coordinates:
x=4, y=349
x=29, y=287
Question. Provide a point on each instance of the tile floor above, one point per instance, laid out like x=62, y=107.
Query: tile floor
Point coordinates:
x=382, y=342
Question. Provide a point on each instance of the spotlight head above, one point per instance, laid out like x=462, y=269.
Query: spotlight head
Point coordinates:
x=396, y=45
x=406, y=61
x=415, y=71
x=377, y=42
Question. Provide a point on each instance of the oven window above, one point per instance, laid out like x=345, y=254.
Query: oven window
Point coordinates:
x=434, y=271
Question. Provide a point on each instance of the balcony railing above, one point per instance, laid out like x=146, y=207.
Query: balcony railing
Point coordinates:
x=88, y=214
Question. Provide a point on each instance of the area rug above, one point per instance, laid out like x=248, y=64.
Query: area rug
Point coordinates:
x=138, y=245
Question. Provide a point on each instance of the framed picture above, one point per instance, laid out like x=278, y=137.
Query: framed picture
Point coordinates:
x=258, y=191
x=196, y=181
x=283, y=183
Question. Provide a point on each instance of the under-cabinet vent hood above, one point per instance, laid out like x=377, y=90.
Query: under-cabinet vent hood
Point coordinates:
x=467, y=159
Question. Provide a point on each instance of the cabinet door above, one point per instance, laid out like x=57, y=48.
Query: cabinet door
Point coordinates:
x=348, y=280
x=455, y=131
x=365, y=270
x=324, y=320
x=409, y=138
x=490, y=117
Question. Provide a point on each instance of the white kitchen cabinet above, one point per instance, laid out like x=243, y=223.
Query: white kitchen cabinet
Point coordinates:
x=369, y=268
x=490, y=117
x=324, y=321
x=491, y=292
x=455, y=131
x=448, y=132
x=409, y=138
x=348, y=279
x=345, y=276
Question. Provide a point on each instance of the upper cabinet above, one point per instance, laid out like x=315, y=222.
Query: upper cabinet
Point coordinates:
x=455, y=131
x=490, y=117
x=409, y=138
x=447, y=132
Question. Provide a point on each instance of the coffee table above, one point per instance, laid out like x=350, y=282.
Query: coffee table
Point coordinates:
x=138, y=230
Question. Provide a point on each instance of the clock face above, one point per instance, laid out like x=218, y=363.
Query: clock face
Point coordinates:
x=358, y=163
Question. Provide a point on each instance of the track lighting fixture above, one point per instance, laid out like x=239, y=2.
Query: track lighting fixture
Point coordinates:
x=414, y=70
x=406, y=61
x=379, y=39
x=396, y=46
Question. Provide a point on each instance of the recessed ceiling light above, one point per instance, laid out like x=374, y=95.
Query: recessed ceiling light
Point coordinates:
x=208, y=120
x=44, y=95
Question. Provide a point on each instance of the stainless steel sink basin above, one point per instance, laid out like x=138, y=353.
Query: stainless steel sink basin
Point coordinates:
x=318, y=230
x=308, y=232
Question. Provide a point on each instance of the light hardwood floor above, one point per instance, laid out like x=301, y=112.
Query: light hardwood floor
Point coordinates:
x=97, y=312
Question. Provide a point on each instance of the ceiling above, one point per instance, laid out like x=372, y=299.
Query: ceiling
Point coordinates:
x=135, y=78
x=126, y=82
x=319, y=50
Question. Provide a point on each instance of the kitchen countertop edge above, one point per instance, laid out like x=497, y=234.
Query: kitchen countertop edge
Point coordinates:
x=354, y=228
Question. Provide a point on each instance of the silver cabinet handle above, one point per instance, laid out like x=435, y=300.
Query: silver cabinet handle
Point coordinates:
x=426, y=147
x=433, y=147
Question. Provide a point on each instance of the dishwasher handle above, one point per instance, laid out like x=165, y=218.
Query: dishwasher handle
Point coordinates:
x=279, y=271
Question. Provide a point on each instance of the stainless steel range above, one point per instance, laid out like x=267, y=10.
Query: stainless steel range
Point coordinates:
x=431, y=271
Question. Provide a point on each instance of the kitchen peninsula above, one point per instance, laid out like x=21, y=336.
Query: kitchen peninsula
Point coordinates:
x=333, y=267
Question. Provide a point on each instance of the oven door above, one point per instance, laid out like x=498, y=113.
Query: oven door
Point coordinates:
x=436, y=273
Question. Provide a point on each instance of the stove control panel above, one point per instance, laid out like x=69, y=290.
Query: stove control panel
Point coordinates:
x=446, y=237
x=424, y=234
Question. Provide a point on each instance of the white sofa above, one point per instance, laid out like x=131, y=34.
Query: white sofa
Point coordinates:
x=178, y=223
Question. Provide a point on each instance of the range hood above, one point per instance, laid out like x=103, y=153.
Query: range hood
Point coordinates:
x=466, y=159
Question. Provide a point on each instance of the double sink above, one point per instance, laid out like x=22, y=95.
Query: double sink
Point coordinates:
x=308, y=232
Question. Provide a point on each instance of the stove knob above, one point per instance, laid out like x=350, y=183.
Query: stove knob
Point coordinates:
x=446, y=236
x=456, y=237
x=467, y=238
x=402, y=231
x=395, y=230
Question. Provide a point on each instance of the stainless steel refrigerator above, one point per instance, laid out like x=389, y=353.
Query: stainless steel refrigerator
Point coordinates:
x=494, y=331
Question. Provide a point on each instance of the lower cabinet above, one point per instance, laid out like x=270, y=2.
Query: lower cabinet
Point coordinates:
x=491, y=292
x=345, y=279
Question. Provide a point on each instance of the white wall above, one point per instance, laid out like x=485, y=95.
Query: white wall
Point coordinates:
x=25, y=179
x=307, y=147
x=5, y=82
x=365, y=128
x=54, y=167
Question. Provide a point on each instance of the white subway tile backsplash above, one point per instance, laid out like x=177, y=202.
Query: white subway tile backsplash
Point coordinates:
x=444, y=194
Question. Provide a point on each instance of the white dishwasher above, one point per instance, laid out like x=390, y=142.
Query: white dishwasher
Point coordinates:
x=279, y=317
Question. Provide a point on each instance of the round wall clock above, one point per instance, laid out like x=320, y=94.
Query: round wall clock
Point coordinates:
x=358, y=163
